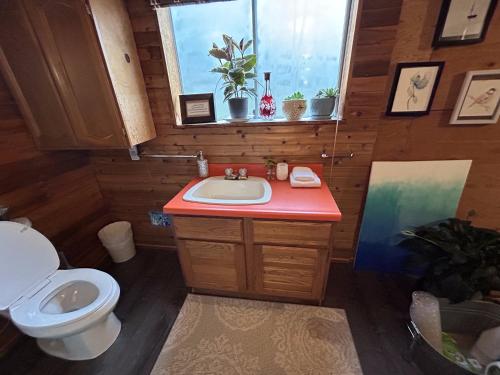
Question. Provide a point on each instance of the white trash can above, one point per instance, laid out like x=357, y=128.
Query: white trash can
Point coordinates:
x=118, y=239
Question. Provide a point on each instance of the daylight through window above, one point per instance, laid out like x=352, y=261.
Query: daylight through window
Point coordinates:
x=299, y=41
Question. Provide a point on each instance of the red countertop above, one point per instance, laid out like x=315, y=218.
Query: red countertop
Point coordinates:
x=316, y=204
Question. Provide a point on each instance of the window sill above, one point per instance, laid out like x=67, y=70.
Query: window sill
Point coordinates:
x=258, y=122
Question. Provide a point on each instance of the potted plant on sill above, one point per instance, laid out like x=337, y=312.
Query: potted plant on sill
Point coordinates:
x=323, y=104
x=294, y=106
x=235, y=69
x=461, y=262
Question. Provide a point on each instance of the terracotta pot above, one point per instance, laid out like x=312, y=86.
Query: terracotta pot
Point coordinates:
x=294, y=109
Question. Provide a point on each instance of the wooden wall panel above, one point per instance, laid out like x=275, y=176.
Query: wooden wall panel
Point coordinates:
x=132, y=188
x=431, y=137
x=58, y=191
x=388, y=31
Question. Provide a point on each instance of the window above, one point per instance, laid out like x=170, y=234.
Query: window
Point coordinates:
x=299, y=41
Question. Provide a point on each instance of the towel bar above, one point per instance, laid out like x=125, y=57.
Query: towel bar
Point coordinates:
x=347, y=155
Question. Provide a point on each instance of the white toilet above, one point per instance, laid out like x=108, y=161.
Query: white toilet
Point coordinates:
x=70, y=312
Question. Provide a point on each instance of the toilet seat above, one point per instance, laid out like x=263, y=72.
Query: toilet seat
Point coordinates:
x=27, y=313
x=69, y=312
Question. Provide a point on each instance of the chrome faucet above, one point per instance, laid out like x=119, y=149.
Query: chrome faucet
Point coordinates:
x=230, y=175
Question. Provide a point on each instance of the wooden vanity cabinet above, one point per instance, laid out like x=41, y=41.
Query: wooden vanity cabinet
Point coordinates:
x=254, y=257
x=73, y=68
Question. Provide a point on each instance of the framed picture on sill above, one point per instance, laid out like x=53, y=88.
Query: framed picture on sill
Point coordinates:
x=479, y=99
x=463, y=22
x=197, y=108
x=414, y=87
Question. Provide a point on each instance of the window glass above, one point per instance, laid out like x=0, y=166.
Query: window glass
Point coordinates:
x=299, y=41
x=196, y=27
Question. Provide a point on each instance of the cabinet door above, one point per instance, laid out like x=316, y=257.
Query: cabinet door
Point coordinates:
x=25, y=69
x=68, y=39
x=290, y=271
x=213, y=265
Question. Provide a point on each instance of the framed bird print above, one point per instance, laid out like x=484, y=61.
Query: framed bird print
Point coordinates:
x=414, y=88
x=479, y=99
x=463, y=22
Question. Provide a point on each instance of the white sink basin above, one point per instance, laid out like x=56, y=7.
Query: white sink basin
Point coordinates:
x=216, y=190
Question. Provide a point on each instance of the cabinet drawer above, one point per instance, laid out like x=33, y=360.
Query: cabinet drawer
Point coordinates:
x=218, y=229
x=290, y=271
x=292, y=233
x=213, y=265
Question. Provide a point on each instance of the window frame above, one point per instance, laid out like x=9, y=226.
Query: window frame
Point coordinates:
x=171, y=60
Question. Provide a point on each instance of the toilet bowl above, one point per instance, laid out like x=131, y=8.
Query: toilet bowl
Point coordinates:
x=69, y=312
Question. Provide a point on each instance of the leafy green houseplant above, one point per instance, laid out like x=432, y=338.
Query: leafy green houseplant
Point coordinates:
x=323, y=104
x=294, y=106
x=235, y=69
x=460, y=261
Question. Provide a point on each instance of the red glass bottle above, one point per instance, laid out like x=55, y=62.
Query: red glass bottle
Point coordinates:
x=267, y=107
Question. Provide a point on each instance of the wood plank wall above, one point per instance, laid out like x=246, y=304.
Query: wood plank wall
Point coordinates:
x=388, y=31
x=132, y=188
x=58, y=191
x=431, y=137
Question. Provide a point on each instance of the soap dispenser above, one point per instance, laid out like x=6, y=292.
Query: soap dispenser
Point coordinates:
x=202, y=165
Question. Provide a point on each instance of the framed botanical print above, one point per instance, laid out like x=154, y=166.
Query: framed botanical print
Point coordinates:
x=479, y=99
x=463, y=21
x=414, y=88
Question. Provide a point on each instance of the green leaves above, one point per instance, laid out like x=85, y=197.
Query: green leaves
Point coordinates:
x=237, y=75
x=295, y=96
x=330, y=92
x=249, y=91
x=220, y=69
x=234, y=71
x=229, y=91
x=246, y=45
x=219, y=54
x=250, y=61
x=460, y=260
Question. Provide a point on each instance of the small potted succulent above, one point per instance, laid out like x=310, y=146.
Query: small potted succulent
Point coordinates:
x=235, y=69
x=294, y=106
x=323, y=104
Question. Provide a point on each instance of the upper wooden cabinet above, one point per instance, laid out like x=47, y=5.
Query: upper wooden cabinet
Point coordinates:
x=73, y=68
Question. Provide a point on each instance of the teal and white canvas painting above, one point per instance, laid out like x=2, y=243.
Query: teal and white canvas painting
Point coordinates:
x=403, y=195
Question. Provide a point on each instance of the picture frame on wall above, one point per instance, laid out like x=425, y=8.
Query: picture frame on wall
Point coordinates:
x=414, y=88
x=463, y=22
x=479, y=98
x=197, y=108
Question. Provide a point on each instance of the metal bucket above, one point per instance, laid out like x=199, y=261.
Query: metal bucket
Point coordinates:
x=466, y=320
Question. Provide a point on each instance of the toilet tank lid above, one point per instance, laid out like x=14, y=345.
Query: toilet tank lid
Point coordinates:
x=27, y=258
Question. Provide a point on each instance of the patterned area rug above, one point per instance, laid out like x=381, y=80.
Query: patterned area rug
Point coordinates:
x=226, y=336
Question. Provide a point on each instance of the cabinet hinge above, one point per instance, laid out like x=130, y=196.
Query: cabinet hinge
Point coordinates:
x=87, y=7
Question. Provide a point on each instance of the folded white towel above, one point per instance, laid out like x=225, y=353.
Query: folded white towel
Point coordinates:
x=303, y=174
x=316, y=182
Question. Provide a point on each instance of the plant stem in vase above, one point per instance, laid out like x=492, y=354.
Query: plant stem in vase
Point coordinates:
x=267, y=107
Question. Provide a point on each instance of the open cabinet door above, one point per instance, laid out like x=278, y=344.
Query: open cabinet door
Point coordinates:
x=67, y=37
x=28, y=76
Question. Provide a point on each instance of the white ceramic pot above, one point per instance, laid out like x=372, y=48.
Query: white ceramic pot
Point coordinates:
x=294, y=109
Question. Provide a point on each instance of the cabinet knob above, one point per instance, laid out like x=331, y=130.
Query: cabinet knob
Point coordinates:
x=127, y=58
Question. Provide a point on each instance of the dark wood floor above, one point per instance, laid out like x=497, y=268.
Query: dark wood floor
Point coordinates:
x=152, y=292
